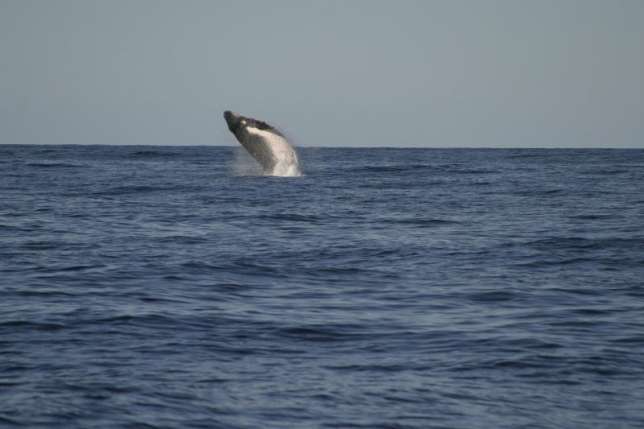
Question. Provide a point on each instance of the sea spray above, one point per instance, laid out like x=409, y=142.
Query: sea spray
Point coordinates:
x=244, y=165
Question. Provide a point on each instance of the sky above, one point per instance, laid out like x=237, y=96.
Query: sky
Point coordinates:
x=397, y=73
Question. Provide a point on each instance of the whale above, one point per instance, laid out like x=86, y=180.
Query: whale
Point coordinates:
x=265, y=144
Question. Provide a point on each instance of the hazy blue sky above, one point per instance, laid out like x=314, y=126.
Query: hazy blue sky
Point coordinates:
x=550, y=73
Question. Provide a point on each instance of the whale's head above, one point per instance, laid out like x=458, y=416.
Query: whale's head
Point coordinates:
x=233, y=120
x=237, y=124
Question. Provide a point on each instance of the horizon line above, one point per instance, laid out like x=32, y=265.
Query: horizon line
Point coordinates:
x=338, y=147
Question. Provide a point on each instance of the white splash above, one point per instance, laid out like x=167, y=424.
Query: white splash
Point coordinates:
x=244, y=164
x=286, y=170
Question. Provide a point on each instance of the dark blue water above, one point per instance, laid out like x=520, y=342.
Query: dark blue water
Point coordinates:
x=150, y=287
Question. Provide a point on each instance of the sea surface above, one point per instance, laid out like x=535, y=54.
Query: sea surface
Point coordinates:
x=156, y=287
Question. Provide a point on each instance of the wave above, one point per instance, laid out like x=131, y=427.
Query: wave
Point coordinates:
x=153, y=154
x=320, y=333
x=586, y=243
x=290, y=217
x=421, y=222
x=393, y=168
x=31, y=325
x=53, y=165
x=143, y=189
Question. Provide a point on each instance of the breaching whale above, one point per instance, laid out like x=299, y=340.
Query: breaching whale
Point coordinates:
x=266, y=144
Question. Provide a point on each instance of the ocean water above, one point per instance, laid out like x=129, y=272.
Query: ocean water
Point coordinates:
x=154, y=287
